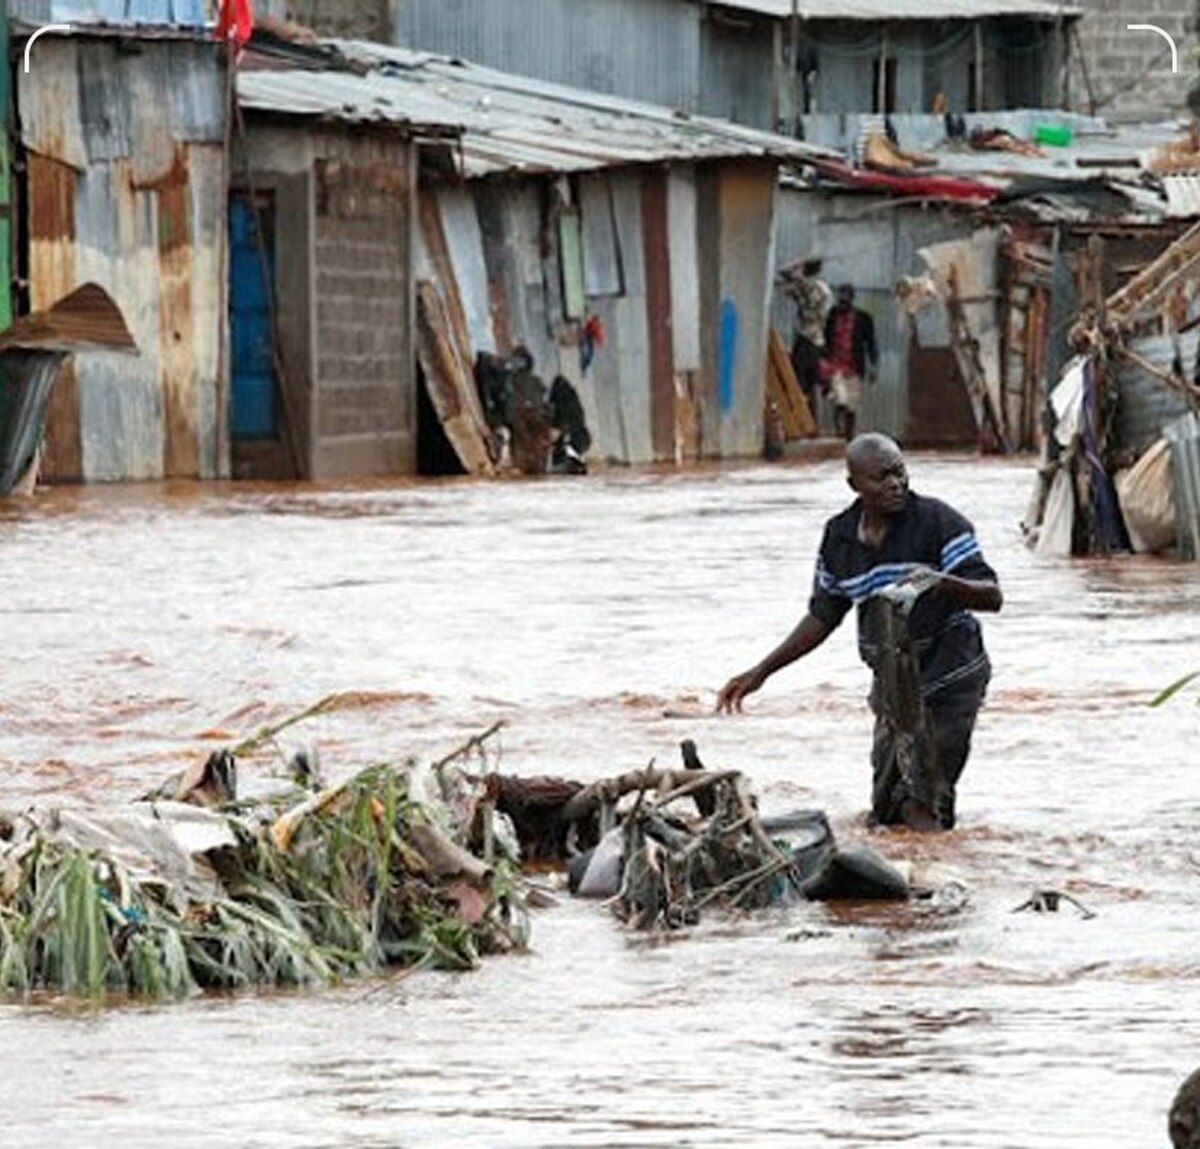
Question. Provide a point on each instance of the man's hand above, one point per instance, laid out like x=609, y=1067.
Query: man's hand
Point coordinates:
x=906, y=590
x=730, y=698
x=922, y=577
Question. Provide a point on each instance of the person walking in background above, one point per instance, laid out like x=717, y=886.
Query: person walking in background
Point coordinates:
x=887, y=537
x=813, y=298
x=851, y=357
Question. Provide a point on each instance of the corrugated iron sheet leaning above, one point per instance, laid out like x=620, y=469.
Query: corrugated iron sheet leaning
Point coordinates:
x=32, y=351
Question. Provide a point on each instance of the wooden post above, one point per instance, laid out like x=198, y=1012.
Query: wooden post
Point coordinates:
x=777, y=74
x=980, y=96
x=881, y=79
x=794, y=76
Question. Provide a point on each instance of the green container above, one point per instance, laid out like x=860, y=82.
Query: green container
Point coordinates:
x=1056, y=135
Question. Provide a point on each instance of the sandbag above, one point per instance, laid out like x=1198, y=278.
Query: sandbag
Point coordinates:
x=1146, y=492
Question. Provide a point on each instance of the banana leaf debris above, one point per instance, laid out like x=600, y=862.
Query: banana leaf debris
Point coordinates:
x=195, y=887
x=192, y=888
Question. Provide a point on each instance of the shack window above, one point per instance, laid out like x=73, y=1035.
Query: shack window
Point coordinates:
x=570, y=247
x=601, y=249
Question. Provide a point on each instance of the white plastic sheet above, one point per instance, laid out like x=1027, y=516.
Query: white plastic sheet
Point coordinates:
x=1146, y=492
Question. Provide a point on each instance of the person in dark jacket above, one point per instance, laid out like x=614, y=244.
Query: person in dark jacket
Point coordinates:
x=850, y=360
x=889, y=537
x=571, y=435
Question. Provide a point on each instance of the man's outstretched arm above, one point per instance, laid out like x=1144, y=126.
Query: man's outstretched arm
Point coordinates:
x=806, y=636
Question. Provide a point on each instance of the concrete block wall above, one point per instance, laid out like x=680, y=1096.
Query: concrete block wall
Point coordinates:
x=364, y=402
x=1130, y=73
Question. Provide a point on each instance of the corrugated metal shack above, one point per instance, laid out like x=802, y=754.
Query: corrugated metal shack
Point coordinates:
x=732, y=59
x=323, y=204
x=1071, y=298
x=576, y=206
x=1021, y=217
x=123, y=133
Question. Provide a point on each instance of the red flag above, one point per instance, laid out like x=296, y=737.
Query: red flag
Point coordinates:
x=235, y=22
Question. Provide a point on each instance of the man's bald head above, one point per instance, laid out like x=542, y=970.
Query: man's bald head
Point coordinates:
x=869, y=449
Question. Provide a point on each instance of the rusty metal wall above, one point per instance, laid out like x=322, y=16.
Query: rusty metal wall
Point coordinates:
x=1144, y=404
x=645, y=235
x=657, y=262
x=50, y=216
x=126, y=184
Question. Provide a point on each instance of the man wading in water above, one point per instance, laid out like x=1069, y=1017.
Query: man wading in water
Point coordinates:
x=890, y=537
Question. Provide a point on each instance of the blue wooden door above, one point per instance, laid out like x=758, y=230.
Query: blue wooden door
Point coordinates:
x=253, y=394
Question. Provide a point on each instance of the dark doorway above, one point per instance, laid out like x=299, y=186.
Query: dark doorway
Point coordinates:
x=435, y=455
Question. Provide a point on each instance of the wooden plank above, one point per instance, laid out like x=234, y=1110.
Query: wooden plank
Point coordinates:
x=450, y=383
x=777, y=394
x=782, y=386
x=656, y=258
x=791, y=385
x=1143, y=292
x=970, y=366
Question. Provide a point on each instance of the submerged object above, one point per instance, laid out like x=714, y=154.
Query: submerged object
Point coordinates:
x=1184, y=1118
x=822, y=871
x=597, y=873
x=856, y=874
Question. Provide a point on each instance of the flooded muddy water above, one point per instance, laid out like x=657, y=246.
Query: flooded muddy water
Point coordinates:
x=597, y=617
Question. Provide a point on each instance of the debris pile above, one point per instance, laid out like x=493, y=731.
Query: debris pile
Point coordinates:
x=1104, y=486
x=195, y=887
x=663, y=845
x=164, y=897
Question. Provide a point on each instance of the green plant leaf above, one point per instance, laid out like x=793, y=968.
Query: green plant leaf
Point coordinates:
x=1175, y=688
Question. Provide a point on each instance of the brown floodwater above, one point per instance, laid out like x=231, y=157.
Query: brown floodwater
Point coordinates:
x=596, y=617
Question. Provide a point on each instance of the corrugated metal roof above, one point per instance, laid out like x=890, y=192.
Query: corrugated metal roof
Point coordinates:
x=892, y=10
x=509, y=123
x=1117, y=155
x=190, y=12
x=1183, y=194
x=85, y=319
